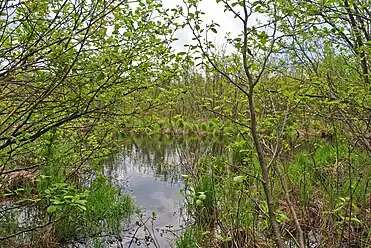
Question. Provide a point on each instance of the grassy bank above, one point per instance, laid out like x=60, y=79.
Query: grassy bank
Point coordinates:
x=326, y=186
x=179, y=125
x=59, y=195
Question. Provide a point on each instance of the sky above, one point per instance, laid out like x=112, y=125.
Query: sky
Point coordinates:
x=213, y=12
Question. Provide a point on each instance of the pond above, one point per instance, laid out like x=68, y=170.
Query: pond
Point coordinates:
x=150, y=169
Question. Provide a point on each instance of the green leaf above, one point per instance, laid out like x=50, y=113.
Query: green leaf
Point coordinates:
x=355, y=220
x=202, y=197
x=81, y=202
x=82, y=207
x=239, y=179
x=51, y=209
x=57, y=202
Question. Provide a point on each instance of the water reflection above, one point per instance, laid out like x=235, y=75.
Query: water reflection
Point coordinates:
x=150, y=168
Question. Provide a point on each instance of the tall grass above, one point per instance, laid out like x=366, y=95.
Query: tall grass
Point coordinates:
x=108, y=212
x=328, y=188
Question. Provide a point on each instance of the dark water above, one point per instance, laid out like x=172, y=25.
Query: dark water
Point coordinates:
x=150, y=168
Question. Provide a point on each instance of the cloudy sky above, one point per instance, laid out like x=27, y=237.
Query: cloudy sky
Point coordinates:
x=213, y=12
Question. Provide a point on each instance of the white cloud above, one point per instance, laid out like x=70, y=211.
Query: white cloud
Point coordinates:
x=213, y=12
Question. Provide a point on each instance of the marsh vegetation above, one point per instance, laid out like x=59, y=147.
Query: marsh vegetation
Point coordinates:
x=265, y=137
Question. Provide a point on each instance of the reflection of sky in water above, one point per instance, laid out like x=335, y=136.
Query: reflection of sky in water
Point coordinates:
x=153, y=181
x=153, y=195
x=150, y=169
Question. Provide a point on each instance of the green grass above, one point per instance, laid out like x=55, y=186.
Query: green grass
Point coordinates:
x=192, y=238
x=324, y=183
x=107, y=212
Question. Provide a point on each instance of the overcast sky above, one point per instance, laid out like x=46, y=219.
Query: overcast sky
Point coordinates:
x=213, y=12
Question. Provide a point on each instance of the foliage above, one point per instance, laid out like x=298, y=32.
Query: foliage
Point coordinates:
x=72, y=73
x=293, y=89
x=225, y=197
x=107, y=213
x=302, y=71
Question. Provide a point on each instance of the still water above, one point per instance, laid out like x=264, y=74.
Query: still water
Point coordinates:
x=150, y=169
